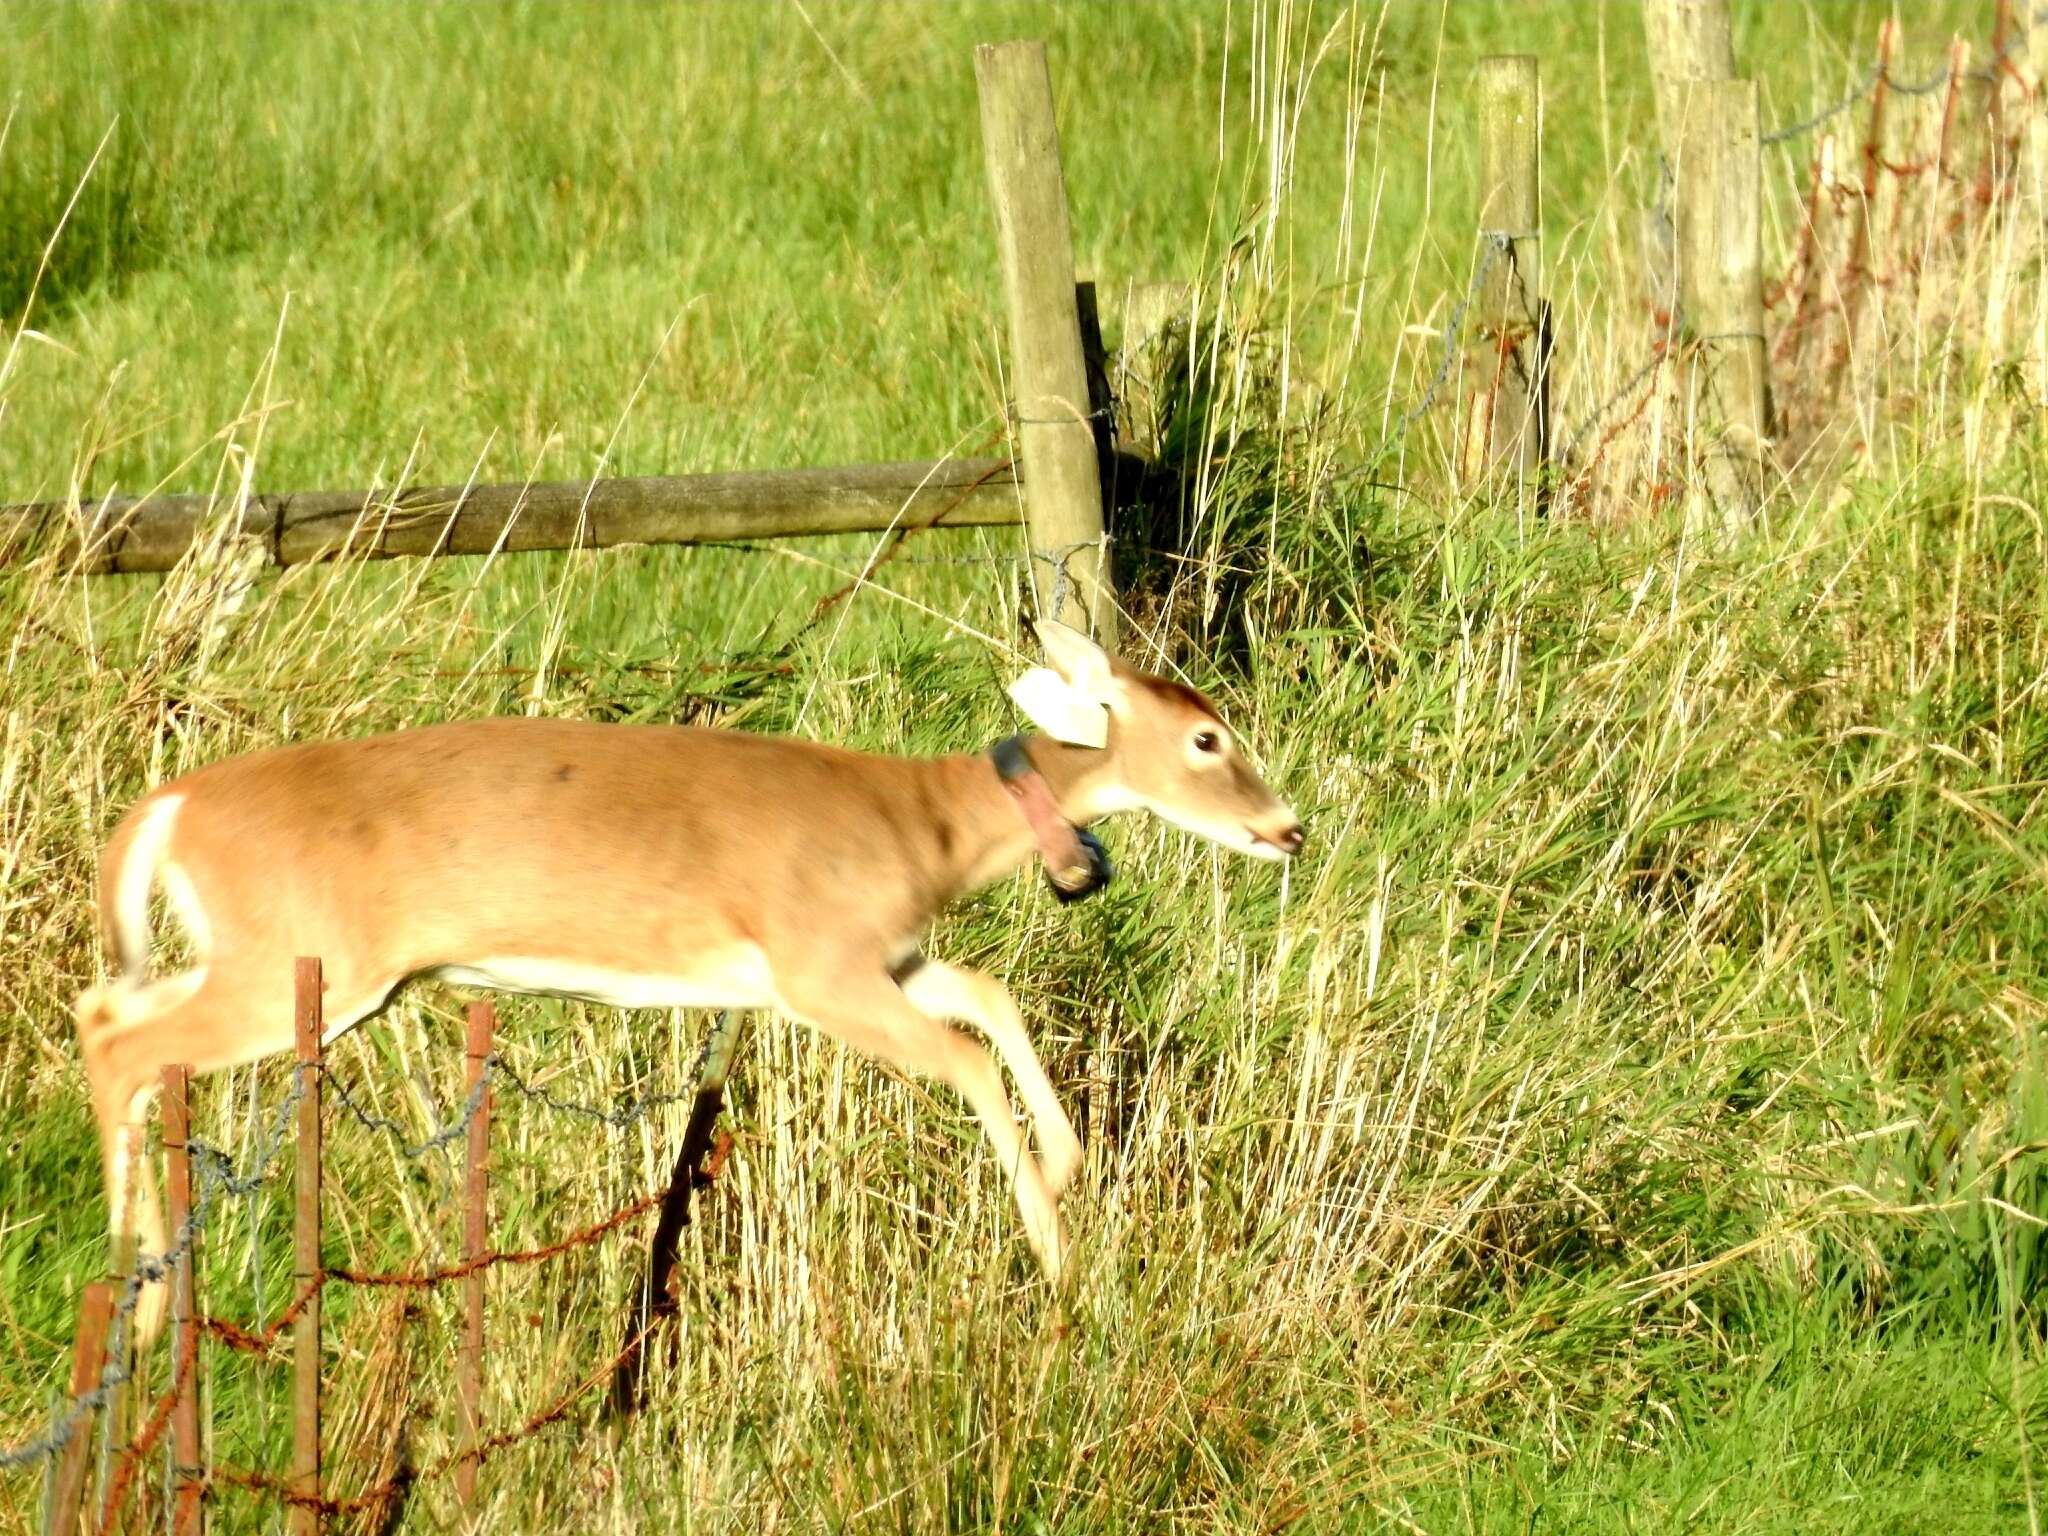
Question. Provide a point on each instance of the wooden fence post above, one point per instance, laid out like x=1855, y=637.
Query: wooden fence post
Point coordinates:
x=308, y=1022
x=88, y=1361
x=1513, y=427
x=1720, y=249
x=189, y=1476
x=1048, y=378
x=1689, y=41
x=483, y=1023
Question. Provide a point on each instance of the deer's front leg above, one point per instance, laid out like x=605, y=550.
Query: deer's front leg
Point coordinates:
x=871, y=1013
x=973, y=997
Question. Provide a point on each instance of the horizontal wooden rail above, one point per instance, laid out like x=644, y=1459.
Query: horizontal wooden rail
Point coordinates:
x=124, y=534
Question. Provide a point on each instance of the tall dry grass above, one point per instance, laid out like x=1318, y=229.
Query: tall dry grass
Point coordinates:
x=1633, y=1110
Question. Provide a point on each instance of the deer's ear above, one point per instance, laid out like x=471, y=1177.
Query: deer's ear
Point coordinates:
x=1060, y=709
x=1076, y=658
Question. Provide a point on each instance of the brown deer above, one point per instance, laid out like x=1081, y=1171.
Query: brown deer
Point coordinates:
x=647, y=867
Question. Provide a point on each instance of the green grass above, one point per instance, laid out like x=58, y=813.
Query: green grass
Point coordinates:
x=1631, y=1115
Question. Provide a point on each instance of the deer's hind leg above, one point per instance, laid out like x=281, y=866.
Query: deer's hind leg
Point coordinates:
x=207, y=1018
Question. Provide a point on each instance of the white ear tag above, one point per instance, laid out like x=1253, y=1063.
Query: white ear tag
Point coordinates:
x=1052, y=704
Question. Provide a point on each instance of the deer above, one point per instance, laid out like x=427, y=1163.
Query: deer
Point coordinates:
x=642, y=866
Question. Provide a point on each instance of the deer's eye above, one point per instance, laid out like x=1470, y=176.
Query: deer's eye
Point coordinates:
x=1208, y=741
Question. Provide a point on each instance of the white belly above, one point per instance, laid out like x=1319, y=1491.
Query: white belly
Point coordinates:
x=735, y=978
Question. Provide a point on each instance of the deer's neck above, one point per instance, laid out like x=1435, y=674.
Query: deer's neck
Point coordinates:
x=1079, y=777
x=986, y=832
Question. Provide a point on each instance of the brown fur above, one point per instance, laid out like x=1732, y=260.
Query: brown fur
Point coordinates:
x=636, y=850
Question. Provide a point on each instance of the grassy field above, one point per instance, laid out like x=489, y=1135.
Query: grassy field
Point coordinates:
x=1631, y=1115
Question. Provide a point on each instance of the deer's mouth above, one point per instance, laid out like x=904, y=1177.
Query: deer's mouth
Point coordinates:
x=1259, y=846
x=1284, y=844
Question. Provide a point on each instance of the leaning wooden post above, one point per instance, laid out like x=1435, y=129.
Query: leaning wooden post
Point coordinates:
x=656, y=1300
x=1048, y=377
x=88, y=1363
x=189, y=1474
x=1512, y=427
x=1101, y=398
x=306, y=1276
x=1720, y=249
x=483, y=1022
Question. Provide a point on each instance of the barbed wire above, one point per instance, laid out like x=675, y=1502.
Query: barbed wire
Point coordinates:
x=1622, y=391
x=1660, y=353
x=1497, y=244
x=1099, y=413
x=1016, y=562
x=215, y=1176
x=131, y=1457
x=478, y=1450
x=454, y=1130
x=497, y=1070
x=619, y=1117
x=1058, y=556
x=1941, y=78
x=139, y=1448
x=1662, y=345
x=1832, y=110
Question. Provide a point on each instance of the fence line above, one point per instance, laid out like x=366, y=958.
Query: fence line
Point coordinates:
x=124, y=536
x=1679, y=337
x=1059, y=423
x=217, y=1176
x=2000, y=65
x=130, y=534
x=208, y=1173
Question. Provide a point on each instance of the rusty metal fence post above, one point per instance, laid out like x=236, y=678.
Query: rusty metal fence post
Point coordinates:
x=189, y=1471
x=483, y=1023
x=308, y=1022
